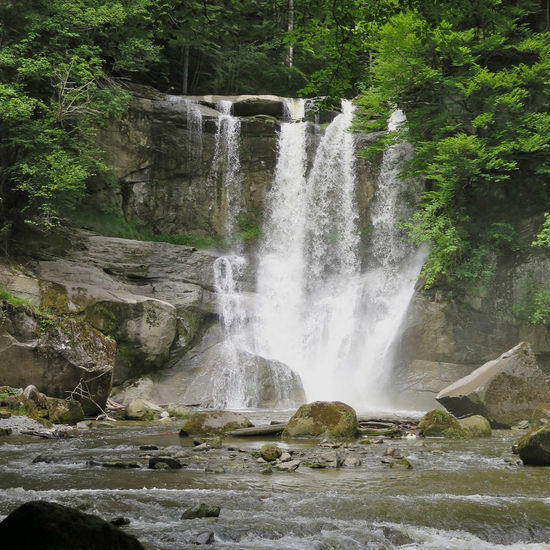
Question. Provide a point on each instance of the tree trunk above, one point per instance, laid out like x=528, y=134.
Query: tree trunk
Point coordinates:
x=290, y=54
x=185, y=62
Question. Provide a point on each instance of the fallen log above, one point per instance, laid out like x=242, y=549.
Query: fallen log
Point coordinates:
x=255, y=431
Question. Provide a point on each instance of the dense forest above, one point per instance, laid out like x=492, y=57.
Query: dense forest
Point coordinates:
x=471, y=75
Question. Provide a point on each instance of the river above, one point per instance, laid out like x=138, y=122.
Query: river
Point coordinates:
x=459, y=494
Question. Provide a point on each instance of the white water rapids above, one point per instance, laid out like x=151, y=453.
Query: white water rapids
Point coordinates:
x=324, y=307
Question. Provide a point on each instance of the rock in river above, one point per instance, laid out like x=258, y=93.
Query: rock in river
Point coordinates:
x=323, y=419
x=214, y=422
x=438, y=423
x=48, y=526
x=534, y=447
x=475, y=426
x=505, y=390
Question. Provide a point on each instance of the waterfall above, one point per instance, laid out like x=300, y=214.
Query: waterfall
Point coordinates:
x=324, y=307
x=229, y=390
x=226, y=169
x=318, y=310
x=194, y=132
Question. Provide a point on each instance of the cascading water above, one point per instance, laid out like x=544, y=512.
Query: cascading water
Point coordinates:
x=229, y=390
x=317, y=311
x=194, y=132
x=226, y=169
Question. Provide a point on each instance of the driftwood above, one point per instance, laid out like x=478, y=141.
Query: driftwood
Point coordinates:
x=270, y=429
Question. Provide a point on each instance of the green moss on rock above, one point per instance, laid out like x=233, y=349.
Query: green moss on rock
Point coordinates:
x=323, y=419
x=534, y=447
x=475, y=426
x=540, y=416
x=438, y=423
x=214, y=422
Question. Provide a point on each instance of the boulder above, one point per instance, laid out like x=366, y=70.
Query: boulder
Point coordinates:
x=322, y=419
x=438, y=423
x=251, y=105
x=475, y=426
x=534, y=447
x=270, y=452
x=201, y=511
x=141, y=409
x=266, y=383
x=505, y=390
x=50, y=526
x=170, y=462
x=214, y=422
x=540, y=416
x=61, y=356
x=330, y=459
x=64, y=411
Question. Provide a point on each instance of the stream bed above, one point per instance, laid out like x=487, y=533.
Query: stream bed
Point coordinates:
x=459, y=494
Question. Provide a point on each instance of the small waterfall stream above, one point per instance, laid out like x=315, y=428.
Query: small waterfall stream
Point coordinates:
x=226, y=169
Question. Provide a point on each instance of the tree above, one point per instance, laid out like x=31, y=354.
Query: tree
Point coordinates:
x=471, y=78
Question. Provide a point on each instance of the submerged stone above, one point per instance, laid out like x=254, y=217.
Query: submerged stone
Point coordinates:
x=201, y=511
x=322, y=419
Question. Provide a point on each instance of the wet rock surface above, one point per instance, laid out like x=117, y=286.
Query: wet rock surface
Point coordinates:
x=505, y=390
x=51, y=526
x=323, y=419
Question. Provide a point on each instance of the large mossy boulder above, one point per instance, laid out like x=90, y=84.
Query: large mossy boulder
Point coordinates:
x=534, y=447
x=438, y=423
x=47, y=526
x=505, y=390
x=475, y=426
x=60, y=355
x=322, y=419
x=214, y=422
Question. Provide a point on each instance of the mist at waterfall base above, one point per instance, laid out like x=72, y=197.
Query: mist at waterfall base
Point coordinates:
x=328, y=304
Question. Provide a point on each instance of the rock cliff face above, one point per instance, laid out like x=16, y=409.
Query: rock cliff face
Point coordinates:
x=164, y=161
x=445, y=339
x=162, y=155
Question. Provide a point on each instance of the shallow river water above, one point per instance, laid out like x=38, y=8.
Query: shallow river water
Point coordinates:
x=459, y=494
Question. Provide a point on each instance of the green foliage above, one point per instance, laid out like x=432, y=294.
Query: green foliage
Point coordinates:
x=536, y=307
x=5, y=295
x=114, y=224
x=472, y=83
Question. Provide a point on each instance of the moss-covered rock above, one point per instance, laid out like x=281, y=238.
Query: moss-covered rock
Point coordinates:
x=141, y=409
x=270, y=452
x=322, y=419
x=438, y=423
x=475, y=426
x=64, y=411
x=214, y=422
x=58, y=354
x=540, y=416
x=534, y=447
